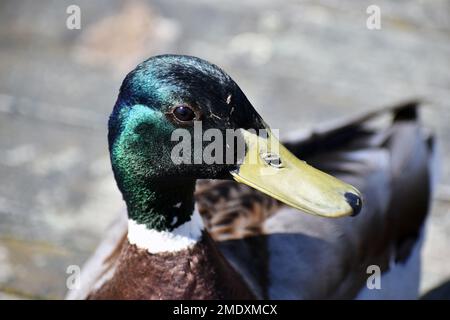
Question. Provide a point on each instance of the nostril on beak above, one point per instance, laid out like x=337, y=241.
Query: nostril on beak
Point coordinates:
x=354, y=201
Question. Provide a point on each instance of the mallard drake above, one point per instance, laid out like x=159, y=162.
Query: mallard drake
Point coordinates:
x=236, y=230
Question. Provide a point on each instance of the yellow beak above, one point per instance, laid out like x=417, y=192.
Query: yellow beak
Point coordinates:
x=270, y=168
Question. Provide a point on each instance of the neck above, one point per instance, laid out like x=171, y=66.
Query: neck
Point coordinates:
x=160, y=205
x=180, y=238
x=162, y=217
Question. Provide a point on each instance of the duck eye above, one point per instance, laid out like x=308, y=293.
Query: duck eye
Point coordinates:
x=183, y=113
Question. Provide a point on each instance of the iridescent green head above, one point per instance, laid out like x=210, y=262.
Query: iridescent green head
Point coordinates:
x=162, y=94
x=169, y=92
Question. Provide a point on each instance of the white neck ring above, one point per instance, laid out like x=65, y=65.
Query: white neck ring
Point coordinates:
x=181, y=238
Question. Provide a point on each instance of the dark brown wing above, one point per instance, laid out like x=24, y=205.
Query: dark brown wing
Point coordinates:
x=232, y=210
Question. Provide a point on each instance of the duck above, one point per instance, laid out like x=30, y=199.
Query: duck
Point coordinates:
x=263, y=224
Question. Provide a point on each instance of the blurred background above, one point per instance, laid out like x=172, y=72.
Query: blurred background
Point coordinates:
x=299, y=62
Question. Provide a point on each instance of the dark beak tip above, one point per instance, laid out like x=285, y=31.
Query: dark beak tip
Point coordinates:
x=355, y=202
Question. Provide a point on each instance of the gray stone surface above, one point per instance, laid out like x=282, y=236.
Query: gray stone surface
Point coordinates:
x=299, y=62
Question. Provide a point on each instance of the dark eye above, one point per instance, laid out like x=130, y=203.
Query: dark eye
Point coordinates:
x=183, y=113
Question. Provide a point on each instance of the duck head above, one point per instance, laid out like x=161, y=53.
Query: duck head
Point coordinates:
x=158, y=139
